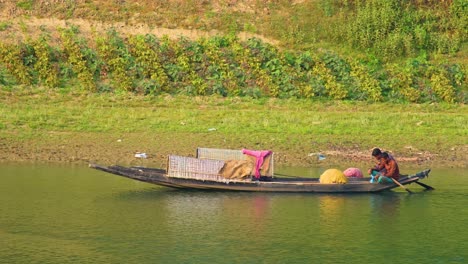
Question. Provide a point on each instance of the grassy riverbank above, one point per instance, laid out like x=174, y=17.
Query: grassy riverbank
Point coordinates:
x=47, y=125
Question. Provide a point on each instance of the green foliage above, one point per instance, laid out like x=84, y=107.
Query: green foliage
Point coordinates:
x=45, y=65
x=16, y=59
x=394, y=28
x=117, y=59
x=3, y=77
x=457, y=75
x=145, y=51
x=263, y=65
x=441, y=87
x=39, y=111
x=369, y=86
x=402, y=83
x=459, y=18
x=374, y=21
x=82, y=59
x=390, y=29
x=4, y=26
x=186, y=68
x=333, y=88
x=217, y=66
x=226, y=66
x=26, y=4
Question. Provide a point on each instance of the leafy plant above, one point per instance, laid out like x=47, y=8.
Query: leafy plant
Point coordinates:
x=226, y=66
x=442, y=88
x=45, y=65
x=118, y=62
x=80, y=58
x=402, y=83
x=14, y=59
x=334, y=89
x=369, y=86
x=145, y=51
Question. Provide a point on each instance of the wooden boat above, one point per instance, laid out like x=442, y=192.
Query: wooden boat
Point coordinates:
x=276, y=184
x=203, y=175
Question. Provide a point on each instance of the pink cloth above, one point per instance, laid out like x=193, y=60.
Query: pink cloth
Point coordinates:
x=259, y=156
x=353, y=172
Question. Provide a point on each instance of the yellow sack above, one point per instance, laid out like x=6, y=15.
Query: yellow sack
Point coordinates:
x=333, y=176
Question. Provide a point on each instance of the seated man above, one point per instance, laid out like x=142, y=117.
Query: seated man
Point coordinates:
x=390, y=170
x=379, y=167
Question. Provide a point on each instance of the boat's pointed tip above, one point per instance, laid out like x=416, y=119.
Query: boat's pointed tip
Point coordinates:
x=93, y=165
x=427, y=173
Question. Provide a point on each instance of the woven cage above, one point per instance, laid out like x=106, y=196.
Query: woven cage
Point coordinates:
x=220, y=154
x=193, y=168
x=232, y=154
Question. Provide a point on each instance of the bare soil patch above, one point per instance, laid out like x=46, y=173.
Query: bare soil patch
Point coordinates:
x=20, y=29
x=84, y=148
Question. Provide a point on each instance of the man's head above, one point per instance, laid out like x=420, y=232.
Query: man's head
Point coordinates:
x=385, y=156
x=377, y=153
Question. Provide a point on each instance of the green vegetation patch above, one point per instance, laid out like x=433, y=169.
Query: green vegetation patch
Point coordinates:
x=4, y=26
x=285, y=125
x=225, y=66
x=26, y=4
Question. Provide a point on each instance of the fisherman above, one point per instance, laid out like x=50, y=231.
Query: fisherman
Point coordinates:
x=379, y=167
x=390, y=170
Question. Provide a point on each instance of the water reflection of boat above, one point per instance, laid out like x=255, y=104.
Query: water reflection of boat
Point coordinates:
x=386, y=205
x=203, y=173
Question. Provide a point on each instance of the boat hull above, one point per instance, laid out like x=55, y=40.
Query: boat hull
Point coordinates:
x=275, y=185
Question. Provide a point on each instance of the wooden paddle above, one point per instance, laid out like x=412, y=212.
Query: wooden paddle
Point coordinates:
x=425, y=185
x=401, y=185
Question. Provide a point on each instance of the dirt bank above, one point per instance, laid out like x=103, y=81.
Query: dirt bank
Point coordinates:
x=21, y=29
x=82, y=148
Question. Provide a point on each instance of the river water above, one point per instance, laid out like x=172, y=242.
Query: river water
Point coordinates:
x=73, y=214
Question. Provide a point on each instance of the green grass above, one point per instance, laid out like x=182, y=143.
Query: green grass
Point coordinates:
x=4, y=26
x=42, y=116
x=302, y=25
x=26, y=5
x=289, y=125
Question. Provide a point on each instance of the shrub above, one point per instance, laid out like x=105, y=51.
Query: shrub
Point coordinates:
x=118, y=62
x=16, y=59
x=334, y=89
x=45, y=66
x=441, y=87
x=366, y=84
x=402, y=83
x=145, y=51
x=80, y=58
